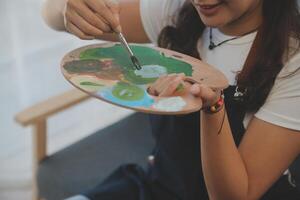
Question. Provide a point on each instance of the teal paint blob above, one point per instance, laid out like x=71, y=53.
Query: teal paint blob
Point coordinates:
x=143, y=99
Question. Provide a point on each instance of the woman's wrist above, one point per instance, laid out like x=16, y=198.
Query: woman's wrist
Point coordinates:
x=216, y=115
x=215, y=107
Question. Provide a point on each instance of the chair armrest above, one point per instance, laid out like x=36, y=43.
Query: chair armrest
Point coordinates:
x=37, y=117
x=50, y=107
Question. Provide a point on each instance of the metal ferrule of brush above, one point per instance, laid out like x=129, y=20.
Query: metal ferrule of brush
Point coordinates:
x=136, y=62
x=132, y=57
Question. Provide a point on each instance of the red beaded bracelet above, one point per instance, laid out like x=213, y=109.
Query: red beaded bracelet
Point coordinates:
x=217, y=106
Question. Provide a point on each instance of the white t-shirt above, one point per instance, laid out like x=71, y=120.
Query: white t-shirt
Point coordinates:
x=282, y=106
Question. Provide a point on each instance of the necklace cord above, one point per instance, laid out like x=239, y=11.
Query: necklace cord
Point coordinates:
x=212, y=45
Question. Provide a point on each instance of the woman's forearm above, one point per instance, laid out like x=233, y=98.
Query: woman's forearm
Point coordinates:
x=52, y=12
x=224, y=170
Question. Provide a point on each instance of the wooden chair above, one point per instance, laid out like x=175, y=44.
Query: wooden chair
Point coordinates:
x=84, y=164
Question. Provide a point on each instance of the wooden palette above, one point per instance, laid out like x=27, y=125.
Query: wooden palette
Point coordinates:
x=105, y=71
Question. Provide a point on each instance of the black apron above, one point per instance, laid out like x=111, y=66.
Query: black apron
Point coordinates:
x=175, y=171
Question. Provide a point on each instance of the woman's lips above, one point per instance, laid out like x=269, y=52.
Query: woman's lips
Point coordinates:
x=209, y=9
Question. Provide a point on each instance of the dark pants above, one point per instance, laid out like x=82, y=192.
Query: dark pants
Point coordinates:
x=129, y=182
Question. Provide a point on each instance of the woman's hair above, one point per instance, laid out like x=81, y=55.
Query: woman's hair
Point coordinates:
x=281, y=22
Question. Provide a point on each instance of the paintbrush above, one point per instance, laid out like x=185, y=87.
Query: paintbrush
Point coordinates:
x=134, y=59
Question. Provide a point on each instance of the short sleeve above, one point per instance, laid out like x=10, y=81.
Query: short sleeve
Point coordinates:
x=156, y=14
x=282, y=106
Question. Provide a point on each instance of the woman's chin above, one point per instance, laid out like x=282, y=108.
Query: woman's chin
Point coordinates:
x=213, y=23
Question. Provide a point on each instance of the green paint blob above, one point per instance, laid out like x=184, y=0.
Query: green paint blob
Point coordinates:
x=83, y=66
x=146, y=56
x=87, y=83
x=128, y=92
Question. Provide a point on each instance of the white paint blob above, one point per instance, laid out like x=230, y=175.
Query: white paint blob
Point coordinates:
x=172, y=104
x=151, y=71
x=125, y=92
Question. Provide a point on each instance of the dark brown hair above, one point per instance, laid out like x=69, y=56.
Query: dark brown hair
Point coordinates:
x=281, y=22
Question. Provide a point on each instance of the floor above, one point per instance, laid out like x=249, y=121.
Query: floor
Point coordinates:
x=30, y=54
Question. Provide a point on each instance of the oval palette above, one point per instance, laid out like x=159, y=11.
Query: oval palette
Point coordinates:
x=105, y=71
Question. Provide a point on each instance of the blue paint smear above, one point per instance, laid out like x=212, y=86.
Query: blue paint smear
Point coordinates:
x=146, y=102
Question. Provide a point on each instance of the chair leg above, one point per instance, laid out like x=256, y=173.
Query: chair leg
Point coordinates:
x=35, y=193
x=39, y=141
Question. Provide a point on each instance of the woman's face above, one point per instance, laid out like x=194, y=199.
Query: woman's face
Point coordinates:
x=221, y=13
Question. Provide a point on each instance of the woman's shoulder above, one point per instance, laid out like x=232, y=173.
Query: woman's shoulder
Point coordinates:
x=292, y=59
x=282, y=107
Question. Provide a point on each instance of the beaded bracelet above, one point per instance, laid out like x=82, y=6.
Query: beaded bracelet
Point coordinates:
x=216, y=107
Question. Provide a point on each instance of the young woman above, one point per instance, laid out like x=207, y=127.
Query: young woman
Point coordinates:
x=243, y=149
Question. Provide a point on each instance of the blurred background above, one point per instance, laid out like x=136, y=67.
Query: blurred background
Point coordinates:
x=30, y=54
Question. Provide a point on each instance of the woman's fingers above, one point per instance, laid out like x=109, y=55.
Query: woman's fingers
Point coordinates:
x=208, y=95
x=174, y=84
x=83, y=25
x=152, y=88
x=113, y=5
x=89, y=16
x=195, y=89
x=172, y=87
x=166, y=85
x=108, y=10
x=76, y=31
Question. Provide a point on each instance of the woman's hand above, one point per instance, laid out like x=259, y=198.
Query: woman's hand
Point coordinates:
x=208, y=95
x=175, y=84
x=168, y=85
x=89, y=19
